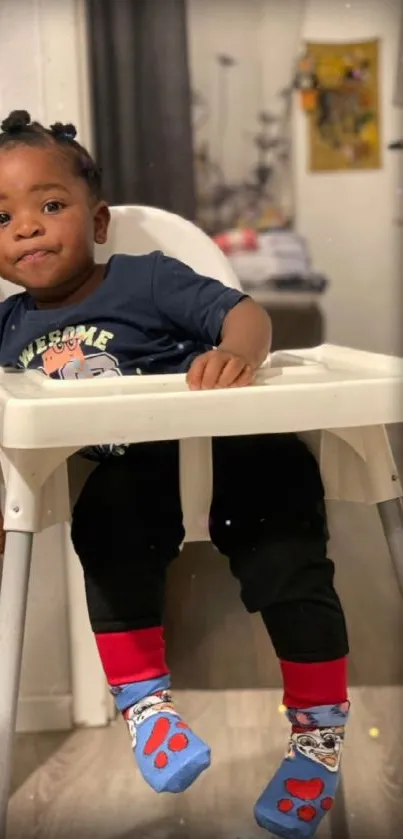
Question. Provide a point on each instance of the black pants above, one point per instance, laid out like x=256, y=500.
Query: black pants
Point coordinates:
x=267, y=516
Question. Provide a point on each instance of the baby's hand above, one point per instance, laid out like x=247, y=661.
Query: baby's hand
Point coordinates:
x=219, y=369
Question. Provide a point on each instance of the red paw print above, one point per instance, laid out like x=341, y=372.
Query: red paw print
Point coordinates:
x=306, y=791
x=177, y=742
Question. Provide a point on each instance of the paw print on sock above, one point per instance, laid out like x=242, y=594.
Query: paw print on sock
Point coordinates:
x=168, y=734
x=308, y=791
x=304, y=718
x=341, y=710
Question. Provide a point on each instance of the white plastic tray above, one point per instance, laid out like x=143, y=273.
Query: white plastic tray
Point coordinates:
x=327, y=387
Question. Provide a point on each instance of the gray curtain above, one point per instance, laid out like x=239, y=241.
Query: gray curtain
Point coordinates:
x=141, y=101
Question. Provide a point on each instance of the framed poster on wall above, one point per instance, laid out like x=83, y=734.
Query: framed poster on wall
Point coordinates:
x=344, y=127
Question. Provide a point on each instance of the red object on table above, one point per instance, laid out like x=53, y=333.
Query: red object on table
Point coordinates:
x=237, y=240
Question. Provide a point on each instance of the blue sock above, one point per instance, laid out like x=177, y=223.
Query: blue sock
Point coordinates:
x=170, y=757
x=303, y=788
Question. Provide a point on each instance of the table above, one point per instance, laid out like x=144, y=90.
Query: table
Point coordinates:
x=340, y=399
x=298, y=320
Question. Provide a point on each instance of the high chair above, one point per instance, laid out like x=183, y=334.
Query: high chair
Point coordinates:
x=339, y=399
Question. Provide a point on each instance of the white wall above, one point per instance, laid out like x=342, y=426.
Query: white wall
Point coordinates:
x=42, y=69
x=347, y=218
x=226, y=28
x=249, y=31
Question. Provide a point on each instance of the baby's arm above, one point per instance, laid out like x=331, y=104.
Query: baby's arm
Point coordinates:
x=216, y=315
x=245, y=343
x=246, y=332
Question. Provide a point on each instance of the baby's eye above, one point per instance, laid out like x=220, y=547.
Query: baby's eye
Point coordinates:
x=53, y=207
x=4, y=219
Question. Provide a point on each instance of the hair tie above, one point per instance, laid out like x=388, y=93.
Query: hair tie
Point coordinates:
x=63, y=132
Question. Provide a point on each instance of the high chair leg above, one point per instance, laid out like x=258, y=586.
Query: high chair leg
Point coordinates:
x=13, y=605
x=391, y=515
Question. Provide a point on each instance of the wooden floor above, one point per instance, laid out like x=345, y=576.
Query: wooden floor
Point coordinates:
x=227, y=681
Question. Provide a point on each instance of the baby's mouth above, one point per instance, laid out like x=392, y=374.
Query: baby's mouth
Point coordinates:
x=34, y=256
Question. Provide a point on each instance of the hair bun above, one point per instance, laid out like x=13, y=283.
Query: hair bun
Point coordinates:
x=15, y=122
x=65, y=132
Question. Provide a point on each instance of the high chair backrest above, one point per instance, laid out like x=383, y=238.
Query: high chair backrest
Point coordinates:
x=136, y=230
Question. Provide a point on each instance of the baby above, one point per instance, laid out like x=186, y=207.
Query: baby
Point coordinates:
x=152, y=314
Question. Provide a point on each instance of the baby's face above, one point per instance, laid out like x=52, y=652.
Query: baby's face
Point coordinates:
x=48, y=223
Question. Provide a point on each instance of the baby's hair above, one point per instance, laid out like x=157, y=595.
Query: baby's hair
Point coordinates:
x=18, y=129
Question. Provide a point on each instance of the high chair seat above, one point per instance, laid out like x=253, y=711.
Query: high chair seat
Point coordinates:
x=339, y=399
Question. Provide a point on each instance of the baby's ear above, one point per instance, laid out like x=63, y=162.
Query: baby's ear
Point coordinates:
x=102, y=218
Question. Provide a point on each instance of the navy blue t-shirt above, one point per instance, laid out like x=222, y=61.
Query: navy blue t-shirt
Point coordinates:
x=151, y=314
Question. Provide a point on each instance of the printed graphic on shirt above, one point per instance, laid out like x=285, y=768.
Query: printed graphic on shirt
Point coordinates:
x=62, y=353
